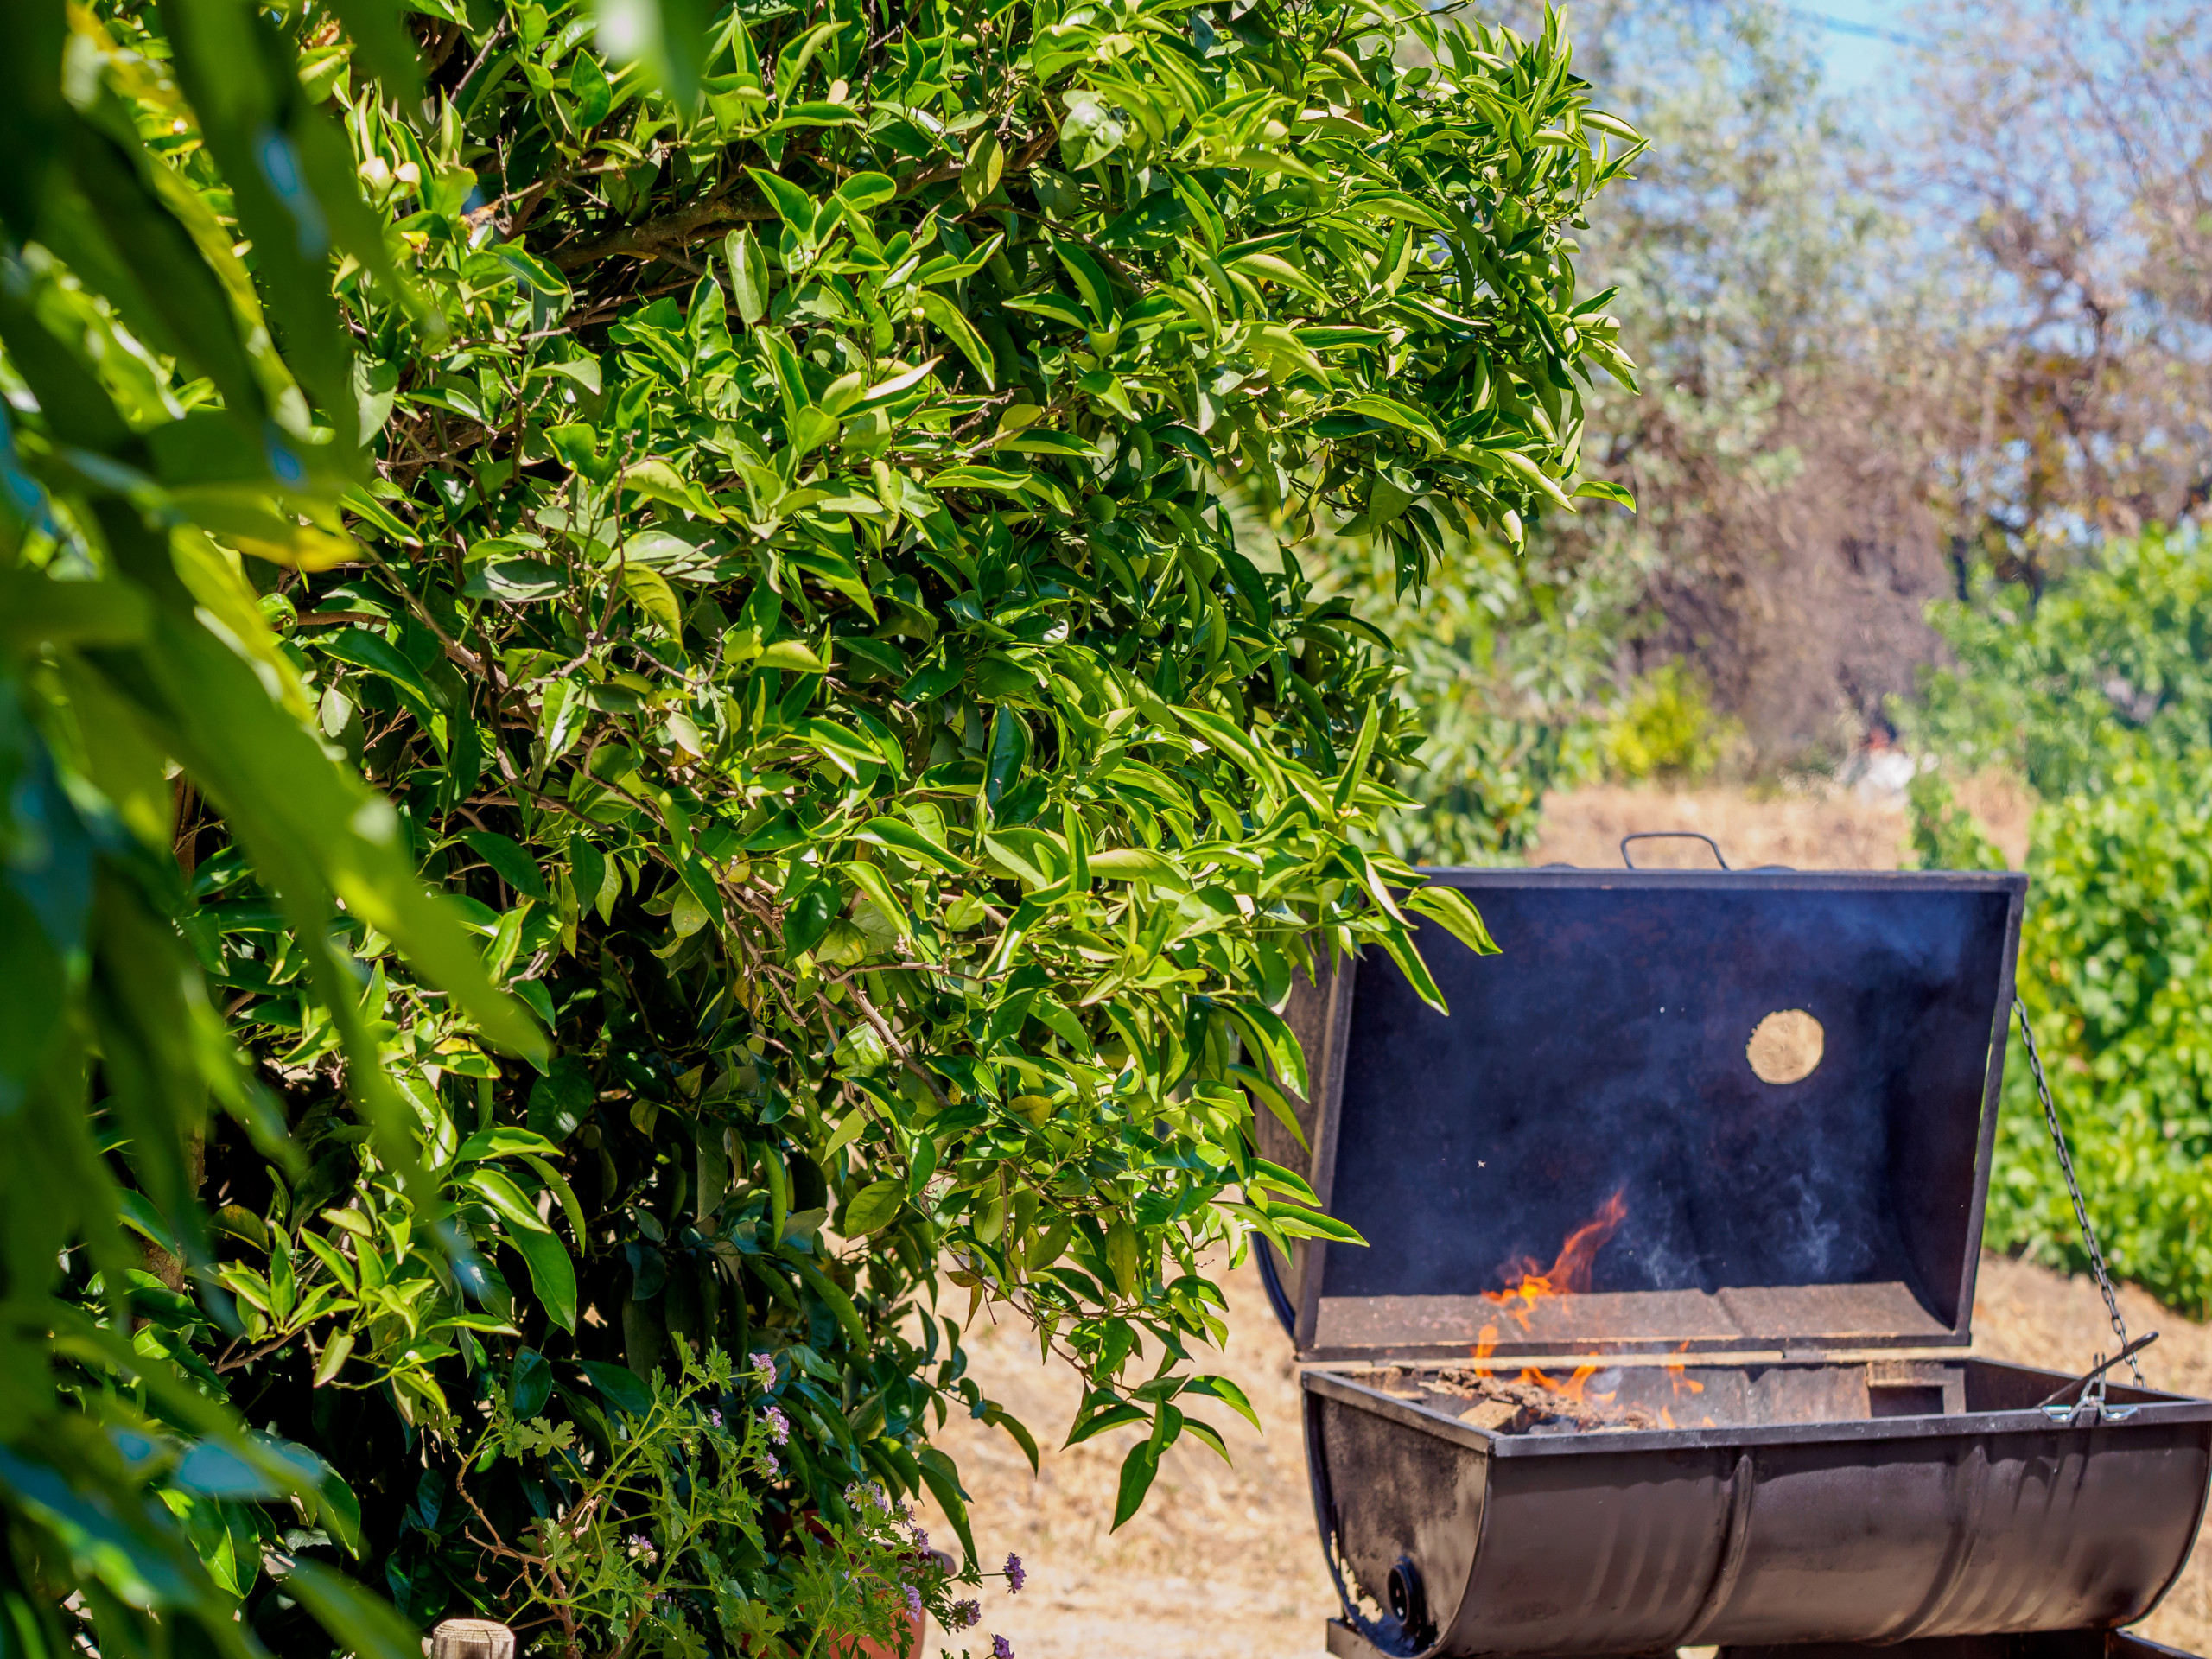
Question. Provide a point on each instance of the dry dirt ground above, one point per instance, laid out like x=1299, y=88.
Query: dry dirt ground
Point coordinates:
x=1830, y=829
x=1223, y=1562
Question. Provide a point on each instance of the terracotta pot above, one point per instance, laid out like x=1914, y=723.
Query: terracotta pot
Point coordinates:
x=917, y=1623
x=911, y=1648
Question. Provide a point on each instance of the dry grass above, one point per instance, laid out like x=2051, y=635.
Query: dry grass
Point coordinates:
x=1223, y=1562
x=1832, y=830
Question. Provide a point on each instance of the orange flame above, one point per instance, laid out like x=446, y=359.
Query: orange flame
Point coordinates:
x=1526, y=1284
x=1485, y=1346
x=1571, y=1389
x=1678, y=1378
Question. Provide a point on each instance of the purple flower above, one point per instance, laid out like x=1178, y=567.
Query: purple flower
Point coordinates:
x=770, y=1466
x=764, y=1366
x=780, y=1427
x=1001, y=1648
x=913, y=1602
x=961, y=1614
x=714, y=1418
x=921, y=1541
x=641, y=1549
x=1016, y=1575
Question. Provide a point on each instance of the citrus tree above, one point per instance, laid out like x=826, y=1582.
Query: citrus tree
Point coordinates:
x=643, y=766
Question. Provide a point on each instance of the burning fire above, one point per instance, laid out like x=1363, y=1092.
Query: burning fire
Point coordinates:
x=1526, y=1284
x=1572, y=1389
x=1569, y=1275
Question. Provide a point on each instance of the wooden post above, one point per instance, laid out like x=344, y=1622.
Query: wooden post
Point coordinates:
x=472, y=1638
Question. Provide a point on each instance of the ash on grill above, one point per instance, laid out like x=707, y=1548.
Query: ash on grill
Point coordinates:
x=1529, y=1404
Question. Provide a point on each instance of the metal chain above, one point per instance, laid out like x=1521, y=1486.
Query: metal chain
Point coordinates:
x=2074, y=1188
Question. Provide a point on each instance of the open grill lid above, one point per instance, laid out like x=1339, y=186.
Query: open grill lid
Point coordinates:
x=1588, y=1119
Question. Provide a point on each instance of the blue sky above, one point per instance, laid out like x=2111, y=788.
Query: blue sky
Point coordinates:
x=1858, y=40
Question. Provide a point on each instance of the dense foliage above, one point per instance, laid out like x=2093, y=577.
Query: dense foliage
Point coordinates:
x=2098, y=693
x=2112, y=961
x=737, y=504
x=1505, y=659
x=2113, y=663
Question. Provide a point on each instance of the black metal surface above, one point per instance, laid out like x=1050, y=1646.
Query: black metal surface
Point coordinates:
x=1990, y=1521
x=1603, y=1053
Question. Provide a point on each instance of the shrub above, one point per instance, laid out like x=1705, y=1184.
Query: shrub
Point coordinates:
x=742, y=518
x=1942, y=835
x=2114, y=662
x=1667, y=728
x=2099, y=693
x=1501, y=653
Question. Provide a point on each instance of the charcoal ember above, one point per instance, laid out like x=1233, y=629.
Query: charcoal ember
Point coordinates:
x=1499, y=1416
x=1517, y=1406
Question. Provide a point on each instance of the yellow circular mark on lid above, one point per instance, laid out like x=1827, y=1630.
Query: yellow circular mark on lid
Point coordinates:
x=1786, y=1046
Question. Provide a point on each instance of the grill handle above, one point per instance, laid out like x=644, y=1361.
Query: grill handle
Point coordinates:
x=1671, y=835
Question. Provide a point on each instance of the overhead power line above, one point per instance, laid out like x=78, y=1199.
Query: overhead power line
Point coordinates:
x=1871, y=31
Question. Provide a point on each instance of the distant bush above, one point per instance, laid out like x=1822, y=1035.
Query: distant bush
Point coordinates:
x=1667, y=729
x=2113, y=661
x=2100, y=695
x=2113, y=960
x=1941, y=833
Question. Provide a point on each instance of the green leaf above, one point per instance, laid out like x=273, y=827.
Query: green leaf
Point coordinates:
x=1603, y=491
x=905, y=838
x=748, y=275
x=589, y=86
x=980, y=173
x=373, y=651
x=1355, y=768
x=793, y=206
x=1227, y=1391
x=362, y=1623
x=876, y=1206
x=957, y=329
x=944, y=1481
x=502, y=1141
x=998, y=1417
x=1272, y=1037
x=1519, y=464
x=552, y=1275
x=655, y=598
x=1139, y=864
x=1455, y=912
x=623, y=1388
x=810, y=915
x=517, y=581
x=1403, y=416
x=1139, y=1469
x=510, y=860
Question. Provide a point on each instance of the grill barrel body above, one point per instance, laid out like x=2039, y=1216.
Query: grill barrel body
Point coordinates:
x=1795, y=1243
x=1873, y=1531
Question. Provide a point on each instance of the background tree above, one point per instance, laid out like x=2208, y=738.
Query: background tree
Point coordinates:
x=752, y=502
x=1955, y=321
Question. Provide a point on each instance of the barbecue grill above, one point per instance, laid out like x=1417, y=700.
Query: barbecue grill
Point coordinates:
x=1697, y=1166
